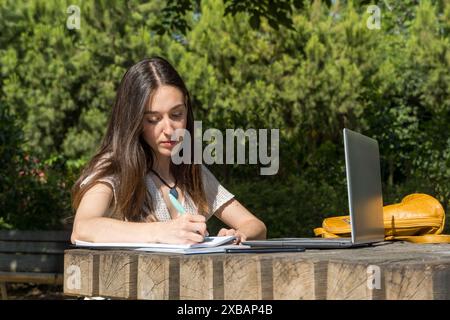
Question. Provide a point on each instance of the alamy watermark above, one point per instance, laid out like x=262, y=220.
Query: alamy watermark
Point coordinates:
x=258, y=151
x=73, y=21
x=373, y=277
x=73, y=281
x=374, y=20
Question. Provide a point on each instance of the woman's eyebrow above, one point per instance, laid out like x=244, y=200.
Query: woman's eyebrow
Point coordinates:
x=156, y=112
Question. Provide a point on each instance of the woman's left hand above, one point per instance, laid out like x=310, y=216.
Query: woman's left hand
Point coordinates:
x=232, y=232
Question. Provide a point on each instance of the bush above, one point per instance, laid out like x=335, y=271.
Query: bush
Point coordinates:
x=34, y=194
x=327, y=73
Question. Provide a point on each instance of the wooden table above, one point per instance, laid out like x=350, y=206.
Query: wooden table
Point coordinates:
x=386, y=271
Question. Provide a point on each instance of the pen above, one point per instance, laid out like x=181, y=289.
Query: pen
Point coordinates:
x=179, y=207
x=177, y=204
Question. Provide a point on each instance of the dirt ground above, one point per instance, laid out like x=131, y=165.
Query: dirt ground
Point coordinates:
x=24, y=291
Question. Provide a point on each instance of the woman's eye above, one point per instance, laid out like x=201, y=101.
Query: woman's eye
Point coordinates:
x=152, y=121
x=177, y=115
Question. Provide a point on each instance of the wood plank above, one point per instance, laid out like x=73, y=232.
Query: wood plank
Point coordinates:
x=197, y=277
x=158, y=277
x=360, y=274
x=428, y=280
x=31, y=277
x=349, y=281
x=402, y=274
x=81, y=269
x=33, y=247
x=218, y=282
x=441, y=281
x=405, y=271
x=118, y=274
x=50, y=263
x=248, y=277
x=306, y=274
x=409, y=282
x=38, y=235
x=293, y=278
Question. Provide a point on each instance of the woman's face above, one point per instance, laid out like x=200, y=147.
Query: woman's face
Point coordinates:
x=165, y=113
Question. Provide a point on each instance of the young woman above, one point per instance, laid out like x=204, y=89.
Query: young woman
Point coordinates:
x=123, y=193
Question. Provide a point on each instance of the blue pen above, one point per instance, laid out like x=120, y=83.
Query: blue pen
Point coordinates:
x=177, y=204
x=179, y=207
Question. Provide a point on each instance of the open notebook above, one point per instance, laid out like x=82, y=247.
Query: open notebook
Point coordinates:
x=209, y=245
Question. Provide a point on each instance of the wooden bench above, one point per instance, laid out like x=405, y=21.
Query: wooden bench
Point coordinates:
x=393, y=271
x=32, y=256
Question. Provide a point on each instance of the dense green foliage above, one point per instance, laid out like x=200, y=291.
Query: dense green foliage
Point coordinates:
x=326, y=72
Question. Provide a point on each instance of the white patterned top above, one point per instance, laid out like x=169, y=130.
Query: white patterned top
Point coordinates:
x=216, y=195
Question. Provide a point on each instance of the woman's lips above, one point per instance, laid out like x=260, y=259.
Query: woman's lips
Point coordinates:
x=168, y=144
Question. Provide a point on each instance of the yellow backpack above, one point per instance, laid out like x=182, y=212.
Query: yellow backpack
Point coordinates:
x=418, y=218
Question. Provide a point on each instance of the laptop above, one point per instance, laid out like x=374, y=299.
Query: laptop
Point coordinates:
x=362, y=164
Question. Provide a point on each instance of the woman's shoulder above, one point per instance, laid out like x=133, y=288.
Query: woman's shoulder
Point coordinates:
x=216, y=194
x=109, y=179
x=100, y=165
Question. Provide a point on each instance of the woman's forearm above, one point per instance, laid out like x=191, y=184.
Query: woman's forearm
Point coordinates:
x=102, y=229
x=254, y=230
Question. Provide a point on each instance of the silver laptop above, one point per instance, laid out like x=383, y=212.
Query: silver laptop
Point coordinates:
x=362, y=164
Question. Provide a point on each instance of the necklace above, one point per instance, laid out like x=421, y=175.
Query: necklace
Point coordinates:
x=172, y=190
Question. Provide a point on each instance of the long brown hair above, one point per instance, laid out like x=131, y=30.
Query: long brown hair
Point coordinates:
x=125, y=155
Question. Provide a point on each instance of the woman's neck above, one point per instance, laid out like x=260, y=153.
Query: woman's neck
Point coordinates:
x=162, y=167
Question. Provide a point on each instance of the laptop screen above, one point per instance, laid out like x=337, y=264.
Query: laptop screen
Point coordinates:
x=362, y=161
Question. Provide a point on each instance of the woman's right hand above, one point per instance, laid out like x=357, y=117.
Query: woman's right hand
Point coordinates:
x=186, y=229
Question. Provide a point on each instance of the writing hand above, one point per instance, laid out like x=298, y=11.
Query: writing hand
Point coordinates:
x=185, y=229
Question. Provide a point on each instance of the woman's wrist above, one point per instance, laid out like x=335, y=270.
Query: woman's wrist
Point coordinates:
x=153, y=232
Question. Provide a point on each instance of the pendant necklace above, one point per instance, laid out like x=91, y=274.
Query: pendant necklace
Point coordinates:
x=172, y=190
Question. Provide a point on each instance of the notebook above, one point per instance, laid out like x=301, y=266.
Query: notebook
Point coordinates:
x=209, y=242
x=209, y=245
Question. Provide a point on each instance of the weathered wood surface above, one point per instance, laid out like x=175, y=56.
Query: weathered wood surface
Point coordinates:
x=23, y=253
x=391, y=271
x=32, y=256
x=32, y=251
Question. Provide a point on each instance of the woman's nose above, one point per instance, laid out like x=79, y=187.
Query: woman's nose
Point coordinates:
x=168, y=127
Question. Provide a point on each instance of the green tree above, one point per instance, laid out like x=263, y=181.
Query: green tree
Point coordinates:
x=320, y=71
